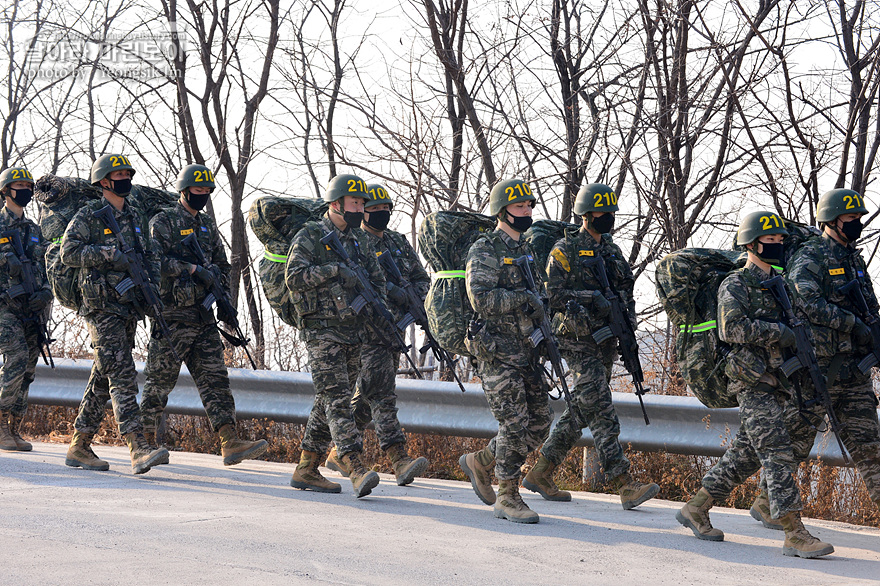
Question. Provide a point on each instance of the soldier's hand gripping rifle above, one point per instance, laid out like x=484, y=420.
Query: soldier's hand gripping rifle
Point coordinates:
x=543, y=334
x=28, y=287
x=620, y=327
x=137, y=274
x=853, y=290
x=368, y=296
x=805, y=357
x=415, y=314
x=218, y=295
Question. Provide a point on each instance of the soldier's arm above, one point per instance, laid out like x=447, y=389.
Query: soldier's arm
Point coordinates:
x=377, y=275
x=805, y=277
x=560, y=281
x=735, y=324
x=300, y=272
x=160, y=235
x=481, y=279
x=39, y=252
x=76, y=248
x=218, y=257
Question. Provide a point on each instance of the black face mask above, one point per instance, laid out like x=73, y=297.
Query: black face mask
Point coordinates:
x=603, y=224
x=518, y=223
x=852, y=229
x=353, y=219
x=771, y=253
x=121, y=187
x=21, y=197
x=378, y=220
x=197, y=201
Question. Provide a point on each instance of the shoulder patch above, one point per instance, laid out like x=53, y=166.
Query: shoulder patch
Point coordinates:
x=814, y=268
x=560, y=257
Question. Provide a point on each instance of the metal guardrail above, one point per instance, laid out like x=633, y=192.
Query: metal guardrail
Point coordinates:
x=679, y=425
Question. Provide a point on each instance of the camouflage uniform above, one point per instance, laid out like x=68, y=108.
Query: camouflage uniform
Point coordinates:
x=568, y=280
x=111, y=318
x=332, y=331
x=193, y=328
x=374, y=397
x=19, y=337
x=508, y=366
x=748, y=319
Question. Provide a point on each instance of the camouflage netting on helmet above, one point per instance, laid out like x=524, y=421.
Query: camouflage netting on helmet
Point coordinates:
x=544, y=234
x=275, y=220
x=444, y=240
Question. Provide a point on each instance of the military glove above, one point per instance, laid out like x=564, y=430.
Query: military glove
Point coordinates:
x=225, y=317
x=204, y=276
x=13, y=265
x=39, y=300
x=861, y=333
x=119, y=262
x=396, y=294
x=601, y=306
x=633, y=348
x=786, y=338
x=535, y=309
x=347, y=276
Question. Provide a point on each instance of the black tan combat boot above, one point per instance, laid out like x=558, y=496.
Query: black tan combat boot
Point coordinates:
x=7, y=440
x=632, y=492
x=405, y=468
x=540, y=480
x=695, y=516
x=798, y=541
x=760, y=511
x=478, y=467
x=510, y=505
x=14, y=427
x=234, y=450
x=307, y=477
x=150, y=437
x=80, y=454
x=144, y=456
x=334, y=462
x=363, y=481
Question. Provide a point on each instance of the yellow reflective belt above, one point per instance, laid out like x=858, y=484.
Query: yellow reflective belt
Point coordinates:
x=449, y=274
x=274, y=257
x=703, y=327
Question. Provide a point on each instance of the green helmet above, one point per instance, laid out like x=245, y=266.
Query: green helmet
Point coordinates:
x=378, y=196
x=595, y=197
x=838, y=202
x=194, y=176
x=343, y=185
x=758, y=224
x=506, y=192
x=13, y=174
x=106, y=164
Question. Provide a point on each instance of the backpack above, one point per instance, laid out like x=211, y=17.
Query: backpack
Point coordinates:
x=276, y=220
x=544, y=234
x=444, y=239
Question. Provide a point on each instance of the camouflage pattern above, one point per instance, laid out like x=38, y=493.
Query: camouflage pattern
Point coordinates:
x=568, y=280
x=748, y=319
x=509, y=368
x=193, y=329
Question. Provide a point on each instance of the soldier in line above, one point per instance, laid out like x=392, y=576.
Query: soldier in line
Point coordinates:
x=374, y=397
x=509, y=367
x=749, y=319
x=111, y=317
x=184, y=286
x=579, y=310
x=322, y=288
x=19, y=334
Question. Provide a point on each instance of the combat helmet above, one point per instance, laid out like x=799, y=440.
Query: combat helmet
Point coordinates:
x=343, y=185
x=757, y=224
x=838, y=202
x=595, y=197
x=378, y=195
x=106, y=164
x=195, y=176
x=507, y=192
x=13, y=174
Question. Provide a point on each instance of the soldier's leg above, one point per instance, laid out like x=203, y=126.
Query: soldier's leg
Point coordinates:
x=334, y=370
x=856, y=408
x=94, y=402
x=113, y=340
x=162, y=372
x=539, y=410
x=376, y=383
x=33, y=344
x=13, y=345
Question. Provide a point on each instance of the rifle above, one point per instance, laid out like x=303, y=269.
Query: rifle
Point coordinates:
x=28, y=286
x=544, y=334
x=137, y=274
x=219, y=296
x=415, y=313
x=853, y=290
x=804, y=357
x=620, y=327
x=367, y=295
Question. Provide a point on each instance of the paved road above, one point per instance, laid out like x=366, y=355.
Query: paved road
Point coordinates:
x=196, y=522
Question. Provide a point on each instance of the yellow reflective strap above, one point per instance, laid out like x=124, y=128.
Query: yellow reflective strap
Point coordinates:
x=274, y=257
x=449, y=275
x=560, y=257
x=696, y=328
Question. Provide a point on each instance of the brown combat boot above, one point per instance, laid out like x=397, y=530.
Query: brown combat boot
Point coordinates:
x=760, y=511
x=405, y=468
x=7, y=440
x=798, y=541
x=695, y=516
x=632, y=492
x=80, y=454
x=363, y=481
x=478, y=467
x=540, y=480
x=150, y=437
x=510, y=505
x=14, y=426
x=334, y=462
x=143, y=456
x=307, y=477
x=234, y=450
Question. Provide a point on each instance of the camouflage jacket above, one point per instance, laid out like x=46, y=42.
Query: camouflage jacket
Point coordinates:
x=817, y=271
x=398, y=247
x=181, y=294
x=322, y=305
x=569, y=280
x=89, y=245
x=34, y=248
x=749, y=319
x=497, y=289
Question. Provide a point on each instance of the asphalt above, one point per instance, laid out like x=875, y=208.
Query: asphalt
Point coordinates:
x=195, y=521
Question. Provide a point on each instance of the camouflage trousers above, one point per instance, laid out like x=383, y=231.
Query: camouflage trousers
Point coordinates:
x=334, y=369
x=591, y=398
x=19, y=344
x=518, y=399
x=200, y=348
x=762, y=441
x=113, y=375
x=374, y=397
